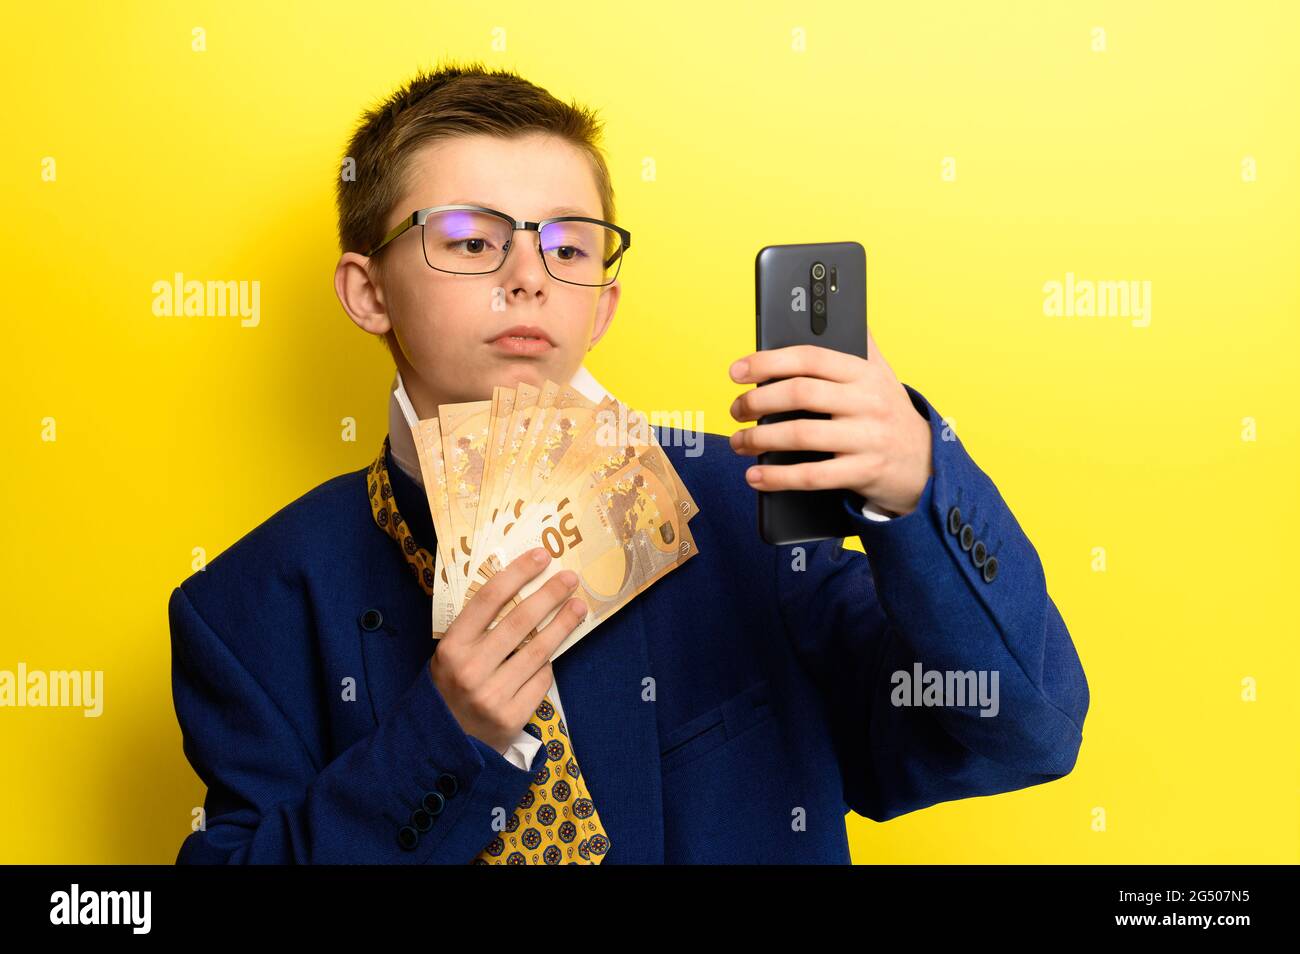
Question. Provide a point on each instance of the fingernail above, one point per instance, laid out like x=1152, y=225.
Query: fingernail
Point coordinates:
x=753, y=475
x=568, y=578
x=740, y=369
x=540, y=555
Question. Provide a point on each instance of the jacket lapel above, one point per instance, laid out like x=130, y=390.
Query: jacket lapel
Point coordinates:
x=615, y=734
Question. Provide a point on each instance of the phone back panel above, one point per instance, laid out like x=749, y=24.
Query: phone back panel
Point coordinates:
x=783, y=286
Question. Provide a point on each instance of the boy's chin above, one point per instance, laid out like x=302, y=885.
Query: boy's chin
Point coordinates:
x=475, y=381
x=511, y=371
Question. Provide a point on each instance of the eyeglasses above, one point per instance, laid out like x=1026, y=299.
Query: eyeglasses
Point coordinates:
x=473, y=240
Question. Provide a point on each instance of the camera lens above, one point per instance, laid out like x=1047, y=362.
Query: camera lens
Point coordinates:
x=819, y=270
x=819, y=289
x=819, y=307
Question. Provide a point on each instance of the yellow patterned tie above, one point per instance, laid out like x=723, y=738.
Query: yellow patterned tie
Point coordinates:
x=555, y=822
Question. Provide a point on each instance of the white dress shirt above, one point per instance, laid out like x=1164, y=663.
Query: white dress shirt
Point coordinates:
x=401, y=418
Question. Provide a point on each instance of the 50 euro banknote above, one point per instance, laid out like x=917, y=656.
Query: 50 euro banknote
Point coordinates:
x=620, y=535
x=549, y=467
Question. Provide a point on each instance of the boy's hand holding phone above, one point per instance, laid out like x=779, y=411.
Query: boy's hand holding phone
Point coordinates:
x=490, y=682
x=881, y=445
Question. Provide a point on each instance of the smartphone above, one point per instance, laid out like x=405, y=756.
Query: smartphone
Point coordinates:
x=808, y=294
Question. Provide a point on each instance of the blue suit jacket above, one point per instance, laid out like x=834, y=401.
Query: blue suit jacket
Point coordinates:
x=734, y=712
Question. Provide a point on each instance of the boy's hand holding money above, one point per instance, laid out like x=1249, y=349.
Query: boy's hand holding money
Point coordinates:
x=491, y=687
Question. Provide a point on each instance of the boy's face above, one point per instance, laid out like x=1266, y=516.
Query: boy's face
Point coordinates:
x=440, y=326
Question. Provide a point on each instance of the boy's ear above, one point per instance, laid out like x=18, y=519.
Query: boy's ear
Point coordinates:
x=605, y=308
x=359, y=291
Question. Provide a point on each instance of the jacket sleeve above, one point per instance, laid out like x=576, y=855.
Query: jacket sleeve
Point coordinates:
x=866, y=626
x=271, y=800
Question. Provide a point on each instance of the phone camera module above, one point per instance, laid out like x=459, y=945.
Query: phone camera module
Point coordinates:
x=817, y=272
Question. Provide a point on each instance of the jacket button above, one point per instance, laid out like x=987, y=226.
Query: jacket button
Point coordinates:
x=448, y=784
x=408, y=838
x=371, y=620
x=967, y=537
x=421, y=820
x=990, y=569
x=979, y=554
x=433, y=802
x=954, y=520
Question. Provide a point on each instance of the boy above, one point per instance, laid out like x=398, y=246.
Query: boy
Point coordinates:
x=733, y=712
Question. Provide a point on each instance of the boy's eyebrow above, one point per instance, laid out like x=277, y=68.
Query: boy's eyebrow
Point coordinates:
x=558, y=210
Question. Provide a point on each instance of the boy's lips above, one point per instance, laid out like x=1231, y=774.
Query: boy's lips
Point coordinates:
x=523, y=331
x=522, y=340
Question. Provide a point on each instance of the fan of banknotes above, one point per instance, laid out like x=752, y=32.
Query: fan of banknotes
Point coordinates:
x=549, y=467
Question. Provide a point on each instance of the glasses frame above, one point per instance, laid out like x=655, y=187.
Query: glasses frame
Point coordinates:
x=417, y=219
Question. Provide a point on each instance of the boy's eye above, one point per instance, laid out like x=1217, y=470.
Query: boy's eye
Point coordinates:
x=565, y=248
x=471, y=246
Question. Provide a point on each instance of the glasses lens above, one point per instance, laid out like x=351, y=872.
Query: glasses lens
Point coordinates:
x=464, y=241
x=578, y=252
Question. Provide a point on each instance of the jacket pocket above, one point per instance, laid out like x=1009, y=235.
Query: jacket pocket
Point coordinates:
x=715, y=728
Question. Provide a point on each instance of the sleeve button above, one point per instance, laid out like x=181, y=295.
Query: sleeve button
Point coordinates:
x=967, y=537
x=990, y=569
x=421, y=820
x=954, y=520
x=371, y=620
x=979, y=554
x=433, y=803
x=408, y=838
x=448, y=784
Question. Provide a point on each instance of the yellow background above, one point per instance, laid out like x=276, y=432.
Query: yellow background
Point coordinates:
x=1125, y=164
